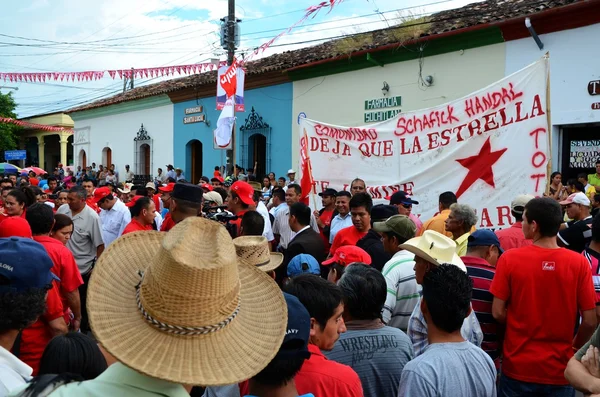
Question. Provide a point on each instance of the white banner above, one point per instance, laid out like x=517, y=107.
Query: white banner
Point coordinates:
x=487, y=148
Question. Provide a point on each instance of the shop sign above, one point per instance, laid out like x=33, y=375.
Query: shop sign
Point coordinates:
x=382, y=103
x=383, y=115
x=584, y=154
x=194, y=119
x=195, y=109
x=594, y=87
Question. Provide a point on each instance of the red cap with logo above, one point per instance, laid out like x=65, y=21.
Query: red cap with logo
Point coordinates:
x=348, y=254
x=167, y=189
x=207, y=187
x=244, y=191
x=100, y=194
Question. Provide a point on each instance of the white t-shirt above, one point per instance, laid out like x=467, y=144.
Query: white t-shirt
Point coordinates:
x=13, y=372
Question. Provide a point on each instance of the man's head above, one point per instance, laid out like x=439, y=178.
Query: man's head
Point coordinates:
x=446, y=200
x=358, y=186
x=186, y=201
x=583, y=178
x=76, y=198
x=165, y=196
x=241, y=197
x=364, y=289
x=293, y=351
x=395, y=231
x=291, y=175
x=328, y=197
x=61, y=198
x=293, y=194
x=461, y=219
x=160, y=170
x=542, y=218
x=40, y=218
x=484, y=244
x=303, y=263
x=517, y=206
x=13, y=179
x=299, y=216
x=281, y=182
x=577, y=206
x=446, y=302
x=151, y=188
x=342, y=202
x=89, y=187
x=360, y=209
x=104, y=198
x=403, y=202
x=143, y=210
x=252, y=224
x=127, y=167
x=324, y=302
x=25, y=278
x=342, y=257
x=278, y=196
x=6, y=182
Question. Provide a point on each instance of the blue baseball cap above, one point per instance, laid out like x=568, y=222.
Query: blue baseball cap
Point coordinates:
x=303, y=263
x=295, y=342
x=25, y=263
x=484, y=238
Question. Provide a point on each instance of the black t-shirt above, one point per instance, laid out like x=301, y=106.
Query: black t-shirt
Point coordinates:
x=577, y=235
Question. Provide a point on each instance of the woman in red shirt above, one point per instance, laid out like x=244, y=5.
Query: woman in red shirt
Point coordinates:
x=17, y=201
x=142, y=214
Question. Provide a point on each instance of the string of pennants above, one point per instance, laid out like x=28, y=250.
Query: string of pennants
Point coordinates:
x=25, y=124
x=42, y=77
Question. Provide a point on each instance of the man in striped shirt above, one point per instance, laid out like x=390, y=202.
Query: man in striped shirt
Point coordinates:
x=402, y=288
x=483, y=251
x=592, y=254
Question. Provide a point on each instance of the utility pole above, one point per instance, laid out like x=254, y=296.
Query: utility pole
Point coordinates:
x=231, y=22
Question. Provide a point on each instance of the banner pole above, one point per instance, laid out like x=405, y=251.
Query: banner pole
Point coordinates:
x=549, y=120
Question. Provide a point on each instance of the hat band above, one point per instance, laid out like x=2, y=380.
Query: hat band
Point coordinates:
x=178, y=329
x=263, y=263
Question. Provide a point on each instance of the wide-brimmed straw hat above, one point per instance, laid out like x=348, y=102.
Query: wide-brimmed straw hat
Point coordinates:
x=255, y=251
x=435, y=248
x=181, y=306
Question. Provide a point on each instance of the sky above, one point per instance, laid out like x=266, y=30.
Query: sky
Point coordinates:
x=85, y=35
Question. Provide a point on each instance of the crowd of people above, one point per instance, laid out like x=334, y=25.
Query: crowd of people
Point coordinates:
x=235, y=287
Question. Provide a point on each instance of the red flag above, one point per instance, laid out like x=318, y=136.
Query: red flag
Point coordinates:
x=306, y=183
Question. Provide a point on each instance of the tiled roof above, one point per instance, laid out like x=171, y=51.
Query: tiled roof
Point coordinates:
x=481, y=13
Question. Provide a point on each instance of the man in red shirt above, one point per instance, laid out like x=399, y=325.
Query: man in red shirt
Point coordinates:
x=90, y=186
x=142, y=214
x=318, y=375
x=41, y=219
x=512, y=237
x=360, y=210
x=324, y=216
x=239, y=200
x=538, y=292
x=165, y=197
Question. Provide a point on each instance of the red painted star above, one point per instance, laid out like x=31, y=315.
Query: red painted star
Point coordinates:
x=480, y=167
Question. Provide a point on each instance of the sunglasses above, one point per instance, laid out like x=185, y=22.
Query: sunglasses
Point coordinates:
x=407, y=205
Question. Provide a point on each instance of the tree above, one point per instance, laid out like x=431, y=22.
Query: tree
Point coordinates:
x=8, y=138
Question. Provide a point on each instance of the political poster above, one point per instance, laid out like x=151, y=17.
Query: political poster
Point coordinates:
x=230, y=82
x=487, y=148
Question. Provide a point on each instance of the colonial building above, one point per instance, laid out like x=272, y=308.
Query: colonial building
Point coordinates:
x=48, y=148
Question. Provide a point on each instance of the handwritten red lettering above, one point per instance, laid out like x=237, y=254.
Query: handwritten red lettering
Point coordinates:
x=492, y=100
x=541, y=159
x=504, y=212
x=423, y=122
x=537, y=132
x=346, y=134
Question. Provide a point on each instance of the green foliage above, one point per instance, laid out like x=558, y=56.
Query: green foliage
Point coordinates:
x=8, y=139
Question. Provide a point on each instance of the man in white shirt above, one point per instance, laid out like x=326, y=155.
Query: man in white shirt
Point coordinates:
x=263, y=211
x=24, y=277
x=402, y=288
x=129, y=175
x=343, y=218
x=171, y=172
x=115, y=216
x=281, y=225
x=160, y=177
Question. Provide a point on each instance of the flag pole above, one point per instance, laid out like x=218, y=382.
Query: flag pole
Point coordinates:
x=549, y=120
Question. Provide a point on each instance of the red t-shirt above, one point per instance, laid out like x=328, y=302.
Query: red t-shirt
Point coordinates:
x=322, y=378
x=3, y=216
x=347, y=236
x=168, y=223
x=92, y=205
x=35, y=338
x=544, y=290
x=135, y=226
x=34, y=182
x=64, y=267
x=325, y=217
x=156, y=199
x=512, y=237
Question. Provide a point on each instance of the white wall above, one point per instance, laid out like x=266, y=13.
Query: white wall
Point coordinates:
x=339, y=98
x=574, y=62
x=117, y=132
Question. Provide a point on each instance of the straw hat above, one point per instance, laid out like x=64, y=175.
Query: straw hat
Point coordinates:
x=181, y=306
x=435, y=248
x=255, y=251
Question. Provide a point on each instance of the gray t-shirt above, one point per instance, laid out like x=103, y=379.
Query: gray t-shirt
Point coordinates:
x=450, y=369
x=86, y=237
x=377, y=355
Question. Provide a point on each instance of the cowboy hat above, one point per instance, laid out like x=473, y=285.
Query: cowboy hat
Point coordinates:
x=435, y=248
x=181, y=306
x=255, y=251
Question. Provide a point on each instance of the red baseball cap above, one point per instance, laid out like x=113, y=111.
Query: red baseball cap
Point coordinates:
x=218, y=178
x=133, y=200
x=244, y=191
x=100, y=194
x=207, y=187
x=15, y=226
x=167, y=189
x=348, y=254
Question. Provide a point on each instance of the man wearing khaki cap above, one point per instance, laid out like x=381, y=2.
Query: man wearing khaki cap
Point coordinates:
x=433, y=249
x=402, y=289
x=225, y=328
x=513, y=237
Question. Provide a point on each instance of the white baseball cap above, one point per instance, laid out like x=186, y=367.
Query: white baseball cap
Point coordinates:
x=576, y=198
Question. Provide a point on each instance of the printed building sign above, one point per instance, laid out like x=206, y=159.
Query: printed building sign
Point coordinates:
x=487, y=147
x=225, y=81
x=372, y=116
x=584, y=154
